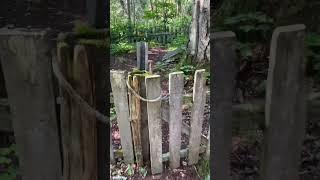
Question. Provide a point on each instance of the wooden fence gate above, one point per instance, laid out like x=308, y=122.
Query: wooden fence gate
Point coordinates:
x=139, y=120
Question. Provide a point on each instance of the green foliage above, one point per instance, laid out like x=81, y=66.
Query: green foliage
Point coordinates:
x=188, y=70
x=162, y=13
x=94, y=42
x=145, y=21
x=113, y=113
x=83, y=30
x=246, y=49
x=6, y=161
x=130, y=170
x=122, y=48
x=203, y=168
x=249, y=27
x=180, y=41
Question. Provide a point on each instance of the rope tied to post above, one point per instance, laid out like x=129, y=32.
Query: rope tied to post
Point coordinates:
x=159, y=98
x=65, y=85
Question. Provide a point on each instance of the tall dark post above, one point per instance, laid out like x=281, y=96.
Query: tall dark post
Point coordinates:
x=96, y=13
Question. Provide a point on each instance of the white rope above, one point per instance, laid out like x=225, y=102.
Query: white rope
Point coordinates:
x=141, y=98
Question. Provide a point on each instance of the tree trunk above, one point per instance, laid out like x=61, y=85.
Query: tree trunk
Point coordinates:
x=199, y=47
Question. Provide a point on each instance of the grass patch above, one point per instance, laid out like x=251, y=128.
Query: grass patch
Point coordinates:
x=203, y=168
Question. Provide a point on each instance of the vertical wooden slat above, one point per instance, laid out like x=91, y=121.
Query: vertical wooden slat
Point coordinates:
x=224, y=73
x=26, y=62
x=176, y=85
x=120, y=96
x=64, y=60
x=153, y=90
x=135, y=113
x=197, y=116
x=87, y=142
x=285, y=104
x=144, y=121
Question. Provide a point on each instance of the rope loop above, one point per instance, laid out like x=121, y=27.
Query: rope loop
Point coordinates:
x=144, y=99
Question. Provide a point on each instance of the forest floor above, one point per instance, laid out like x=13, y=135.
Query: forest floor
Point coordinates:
x=246, y=152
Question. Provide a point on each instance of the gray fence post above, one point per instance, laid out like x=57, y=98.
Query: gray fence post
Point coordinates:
x=285, y=108
x=26, y=62
x=224, y=69
x=142, y=56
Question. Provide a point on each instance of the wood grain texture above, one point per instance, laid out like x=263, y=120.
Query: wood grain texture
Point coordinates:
x=285, y=109
x=153, y=91
x=135, y=113
x=197, y=114
x=120, y=96
x=78, y=128
x=142, y=56
x=176, y=85
x=26, y=63
x=144, y=121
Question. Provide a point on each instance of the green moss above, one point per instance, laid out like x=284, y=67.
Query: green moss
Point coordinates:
x=137, y=72
x=94, y=42
x=83, y=30
x=203, y=168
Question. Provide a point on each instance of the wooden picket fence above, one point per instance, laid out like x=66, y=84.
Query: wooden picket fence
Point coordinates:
x=41, y=133
x=139, y=119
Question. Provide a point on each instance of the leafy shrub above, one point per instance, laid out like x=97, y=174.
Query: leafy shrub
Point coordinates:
x=254, y=26
x=6, y=162
x=122, y=48
x=180, y=41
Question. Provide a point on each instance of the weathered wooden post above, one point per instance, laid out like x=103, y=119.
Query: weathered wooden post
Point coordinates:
x=224, y=68
x=153, y=90
x=26, y=62
x=144, y=120
x=176, y=85
x=142, y=56
x=78, y=128
x=197, y=112
x=285, y=108
x=120, y=93
x=135, y=115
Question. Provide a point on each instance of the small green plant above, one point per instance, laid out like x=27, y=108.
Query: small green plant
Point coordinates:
x=180, y=41
x=188, y=71
x=122, y=48
x=113, y=113
x=6, y=162
x=203, y=168
x=82, y=29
